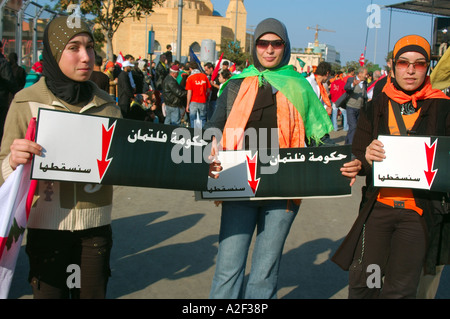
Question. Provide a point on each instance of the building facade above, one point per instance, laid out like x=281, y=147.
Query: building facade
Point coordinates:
x=200, y=22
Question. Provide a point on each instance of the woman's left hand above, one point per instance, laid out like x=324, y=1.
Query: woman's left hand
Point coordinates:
x=351, y=169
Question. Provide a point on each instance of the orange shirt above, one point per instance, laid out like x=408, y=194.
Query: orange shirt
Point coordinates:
x=199, y=84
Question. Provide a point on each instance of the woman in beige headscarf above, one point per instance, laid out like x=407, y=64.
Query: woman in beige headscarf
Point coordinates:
x=69, y=222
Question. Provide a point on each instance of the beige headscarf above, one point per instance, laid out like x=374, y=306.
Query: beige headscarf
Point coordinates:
x=440, y=77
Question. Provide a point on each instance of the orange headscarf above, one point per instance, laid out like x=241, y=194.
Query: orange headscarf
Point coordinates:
x=427, y=92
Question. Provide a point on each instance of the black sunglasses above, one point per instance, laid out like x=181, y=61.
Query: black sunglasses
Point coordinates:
x=264, y=44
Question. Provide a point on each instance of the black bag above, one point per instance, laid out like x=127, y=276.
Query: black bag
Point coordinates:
x=342, y=100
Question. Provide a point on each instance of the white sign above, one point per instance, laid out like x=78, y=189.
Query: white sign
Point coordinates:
x=408, y=164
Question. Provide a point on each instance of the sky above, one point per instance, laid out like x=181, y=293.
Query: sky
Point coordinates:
x=348, y=20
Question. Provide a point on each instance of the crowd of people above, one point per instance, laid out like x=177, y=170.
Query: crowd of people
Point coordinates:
x=166, y=92
x=403, y=231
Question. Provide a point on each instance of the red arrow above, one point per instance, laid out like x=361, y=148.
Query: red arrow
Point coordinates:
x=253, y=182
x=103, y=164
x=430, y=152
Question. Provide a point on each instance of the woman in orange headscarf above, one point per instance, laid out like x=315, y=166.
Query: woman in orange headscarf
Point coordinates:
x=395, y=226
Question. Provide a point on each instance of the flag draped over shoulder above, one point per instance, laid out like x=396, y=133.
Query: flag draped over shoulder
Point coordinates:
x=16, y=195
x=299, y=92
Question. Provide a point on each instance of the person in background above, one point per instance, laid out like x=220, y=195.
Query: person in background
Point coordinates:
x=336, y=91
x=356, y=87
x=198, y=89
x=124, y=89
x=109, y=71
x=98, y=77
x=35, y=73
x=403, y=231
x=19, y=72
x=209, y=70
x=168, y=55
x=69, y=223
x=317, y=81
x=224, y=76
x=173, y=95
x=8, y=86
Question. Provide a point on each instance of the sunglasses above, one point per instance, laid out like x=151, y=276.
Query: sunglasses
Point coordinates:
x=264, y=44
x=418, y=65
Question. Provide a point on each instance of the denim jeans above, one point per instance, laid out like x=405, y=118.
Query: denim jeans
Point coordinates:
x=195, y=107
x=273, y=220
x=352, y=120
x=344, y=118
x=173, y=116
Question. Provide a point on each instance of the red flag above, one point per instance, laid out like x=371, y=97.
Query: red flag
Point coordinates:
x=361, y=59
x=233, y=68
x=217, y=68
x=15, y=194
x=120, y=59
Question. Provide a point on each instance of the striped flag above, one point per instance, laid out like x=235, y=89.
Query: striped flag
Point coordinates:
x=361, y=59
x=16, y=195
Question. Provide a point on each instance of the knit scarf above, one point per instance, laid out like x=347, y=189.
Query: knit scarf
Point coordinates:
x=427, y=92
x=297, y=91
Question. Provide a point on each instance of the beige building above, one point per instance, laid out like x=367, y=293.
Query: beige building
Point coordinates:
x=199, y=23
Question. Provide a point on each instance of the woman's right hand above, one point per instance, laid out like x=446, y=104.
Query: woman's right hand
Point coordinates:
x=215, y=166
x=375, y=152
x=22, y=151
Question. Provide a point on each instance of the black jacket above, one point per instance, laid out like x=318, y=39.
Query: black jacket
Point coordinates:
x=173, y=93
x=125, y=92
x=8, y=83
x=161, y=73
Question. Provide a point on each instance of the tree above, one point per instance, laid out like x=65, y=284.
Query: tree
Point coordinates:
x=109, y=14
x=233, y=52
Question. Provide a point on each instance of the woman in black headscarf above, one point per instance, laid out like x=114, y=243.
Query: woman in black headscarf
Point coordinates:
x=65, y=216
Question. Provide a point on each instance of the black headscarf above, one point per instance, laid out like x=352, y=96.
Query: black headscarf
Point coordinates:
x=56, y=35
x=271, y=25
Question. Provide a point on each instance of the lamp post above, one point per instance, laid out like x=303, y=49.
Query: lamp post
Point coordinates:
x=180, y=20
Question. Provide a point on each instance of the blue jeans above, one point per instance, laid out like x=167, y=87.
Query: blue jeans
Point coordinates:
x=195, y=107
x=273, y=220
x=344, y=118
x=352, y=120
x=173, y=115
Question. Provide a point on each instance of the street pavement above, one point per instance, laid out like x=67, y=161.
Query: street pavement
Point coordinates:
x=165, y=245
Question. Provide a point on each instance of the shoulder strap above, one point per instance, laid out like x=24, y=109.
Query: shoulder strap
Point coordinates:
x=398, y=117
